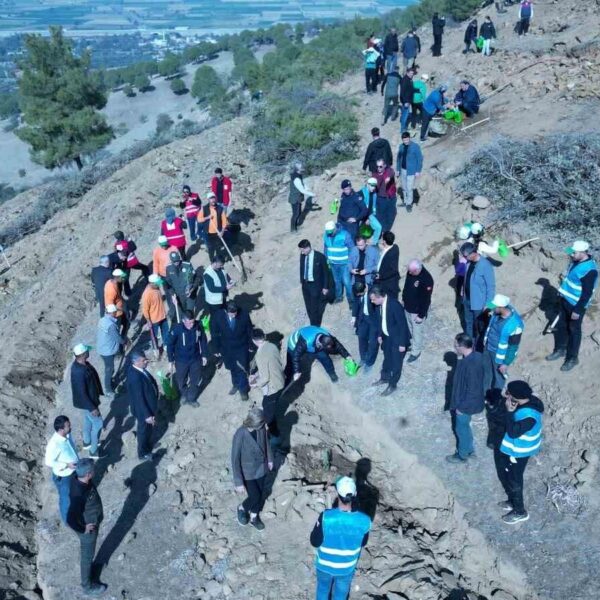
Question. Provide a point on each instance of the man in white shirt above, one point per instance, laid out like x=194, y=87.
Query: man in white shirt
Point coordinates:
x=61, y=456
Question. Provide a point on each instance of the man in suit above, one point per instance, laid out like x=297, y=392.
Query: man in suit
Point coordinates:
x=364, y=319
x=314, y=277
x=232, y=336
x=142, y=391
x=388, y=275
x=394, y=335
x=363, y=262
x=100, y=275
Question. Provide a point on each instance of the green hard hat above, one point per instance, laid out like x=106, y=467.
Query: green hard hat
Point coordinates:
x=365, y=231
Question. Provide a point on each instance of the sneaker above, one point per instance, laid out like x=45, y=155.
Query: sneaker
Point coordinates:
x=233, y=391
x=334, y=378
x=505, y=505
x=242, y=516
x=257, y=523
x=86, y=445
x=147, y=457
x=413, y=357
x=389, y=390
x=455, y=459
x=95, y=455
x=95, y=589
x=514, y=517
x=569, y=364
x=556, y=355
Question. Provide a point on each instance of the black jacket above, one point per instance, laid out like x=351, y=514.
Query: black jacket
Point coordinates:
x=100, y=275
x=183, y=280
x=487, y=30
x=470, y=32
x=228, y=340
x=116, y=262
x=85, y=507
x=320, y=274
x=390, y=44
x=187, y=345
x=388, y=276
x=438, y=25
x=85, y=386
x=359, y=315
x=416, y=295
x=301, y=349
x=407, y=90
x=397, y=326
x=378, y=148
x=142, y=391
x=468, y=385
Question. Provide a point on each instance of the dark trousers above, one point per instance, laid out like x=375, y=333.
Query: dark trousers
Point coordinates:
x=386, y=213
x=233, y=358
x=87, y=551
x=523, y=26
x=368, y=346
x=436, y=49
x=390, y=109
x=567, y=335
x=314, y=303
x=371, y=79
x=296, y=211
x=143, y=268
x=417, y=114
x=425, y=120
x=269, y=407
x=392, y=361
x=255, y=488
x=470, y=319
x=109, y=371
x=144, y=438
x=193, y=227
x=493, y=379
x=101, y=306
x=510, y=475
x=213, y=245
x=188, y=376
x=321, y=356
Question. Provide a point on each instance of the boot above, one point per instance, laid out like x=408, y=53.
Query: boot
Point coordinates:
x=569, y=364
x=560, y=353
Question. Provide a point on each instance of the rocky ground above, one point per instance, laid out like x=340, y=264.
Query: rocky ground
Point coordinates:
x=170, y=529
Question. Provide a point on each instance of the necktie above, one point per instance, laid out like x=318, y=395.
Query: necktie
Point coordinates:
x=306, y=268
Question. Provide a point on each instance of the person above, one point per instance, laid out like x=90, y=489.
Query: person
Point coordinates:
x=409, y=49
x=161, y=256
x=181, y=283
x=390, y=90
x=369, y=196
x=366, y=327
x=153, y=310
x=380, y=63
x=314, y=279
x=363, y=261
x=84, y=518
x=270, y=378
x=172, y=227
x=298, y=194
x=191, y=205
x=479, y=287
x=418, y=41
x=434, y=103
x=317, y=342
x=390, y=50
x=416, y=297
x=420, y=93
x=394, y=337
x=470, y=36
x=525, y=16
x=339, y=535
x=576, y=290
x=352, y=209
x=109, y=343
x=522, y=439
x=378, y=148
x=488, y=33
x=467, y=99
x=438, y=23
x=187, y=351
x=337, y=245
x=217, y=284
x=386, y=194
x=388, y=275
x=466, y=397
x=61, y=456
x=99, y=276
x=407, y=92
x=142, y=391
x=222, y=188
x=501, y=341
x=371, y=55
x=113, y=295
x=86, y=390
x=409, y=163
x=129, y=247
x=251, y=461
x=232, y=336
x=214, y=220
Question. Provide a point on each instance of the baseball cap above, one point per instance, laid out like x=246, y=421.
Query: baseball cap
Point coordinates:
x=499, y=301
x=80, y=349
x=372, y=181
x=111, y=308
x=519, y=389
x=162, y=240
x=210, y=195
x=346, y=487
x=330, y=226
x=156, y=279
x=175, y=256
x=578, y=246
x=346, y=183
x=424, y=76
x=119, y=273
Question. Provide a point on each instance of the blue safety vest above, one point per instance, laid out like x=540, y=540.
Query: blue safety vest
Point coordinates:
x=366, y=195
x=343, y=533
x=513, y=326
x=529, y=443
x=570, y=288
x=309, y=335
x=336, y=250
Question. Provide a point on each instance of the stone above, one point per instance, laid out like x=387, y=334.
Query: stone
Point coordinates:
x=480, y=202
x=193, y=521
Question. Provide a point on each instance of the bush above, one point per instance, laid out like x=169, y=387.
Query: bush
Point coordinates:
x=128, y=91
x=552, y=184
x=142, y=82
x=9, y=104
x=22, y=172
x=163, y=122
x=207, y=86
x=170, y=65
x=178, y=86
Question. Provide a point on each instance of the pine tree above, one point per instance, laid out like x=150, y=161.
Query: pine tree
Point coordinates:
x=60, y=98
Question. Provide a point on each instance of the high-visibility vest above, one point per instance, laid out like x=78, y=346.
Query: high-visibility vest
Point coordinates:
x=174, y=232
x=213, y=298
x=529, y=443
x=191, y=210
x=570, y=288
x=336, y=250
x=309, y=334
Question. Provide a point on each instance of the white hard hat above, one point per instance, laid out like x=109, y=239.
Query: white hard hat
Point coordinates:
x=463, y=233
x=476, y=228
x=330, y=226
x=162, y=239
x=80, y=349
x=578, y=246
x=346, y=487
x=499, y=301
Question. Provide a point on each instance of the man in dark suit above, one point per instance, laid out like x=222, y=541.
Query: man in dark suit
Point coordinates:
x=314, y=279
x=100, y=275
x=142, y=391
x=366, y=325
x=388, y=275
x=394, y=336
x=232, y=337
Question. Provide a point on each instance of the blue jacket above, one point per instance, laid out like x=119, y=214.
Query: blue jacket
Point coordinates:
x=352, y=206
x=186, y=345
x=410, y=47
x=503, y=336
x=469, y=99
x=337, y=246
x=434, y=103
x=483, y=284
x=414, y=159
x=108, y=338
x=371, y=260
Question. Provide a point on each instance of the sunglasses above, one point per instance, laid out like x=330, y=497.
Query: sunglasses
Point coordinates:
x=380, y=167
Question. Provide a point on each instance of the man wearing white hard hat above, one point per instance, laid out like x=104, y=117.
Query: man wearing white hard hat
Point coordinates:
x=576, y=290
x=339, y=535
x=501, y=340
x=113, y=294
x=109, y=342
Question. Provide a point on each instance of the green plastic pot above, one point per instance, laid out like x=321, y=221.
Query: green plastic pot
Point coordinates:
x=350, y=367
x=205, y=321
x=334, y=206
x=503, y=249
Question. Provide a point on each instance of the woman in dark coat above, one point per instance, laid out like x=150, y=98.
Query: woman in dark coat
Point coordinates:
x=470, y=36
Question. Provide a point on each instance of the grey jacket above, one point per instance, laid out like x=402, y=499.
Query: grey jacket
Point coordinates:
x=371, y=261
x=249, y=458
x=108, y=339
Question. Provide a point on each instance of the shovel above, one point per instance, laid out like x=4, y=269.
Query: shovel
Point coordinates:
x=235, y=263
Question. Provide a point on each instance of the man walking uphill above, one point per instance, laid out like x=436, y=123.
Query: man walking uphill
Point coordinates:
x=390, y=50
x=407, y=92
x=438, y=23
x=352, y=209
x=339, y=535
x=100, y=275
x=214, y=220
x=390, y=90
x=378, y=148
x=298, y=194
x=409, y=163
x=222, y=188
x=314, y=278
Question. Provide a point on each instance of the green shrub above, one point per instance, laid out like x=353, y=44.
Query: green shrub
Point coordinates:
x=178, y=86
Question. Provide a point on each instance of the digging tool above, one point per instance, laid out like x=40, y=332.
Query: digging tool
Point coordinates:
x=174, y=297
x=235, y=263
x=473, y=124
x=551, y=327
x=287, y=387
x=523, y=242
x=4, y=256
